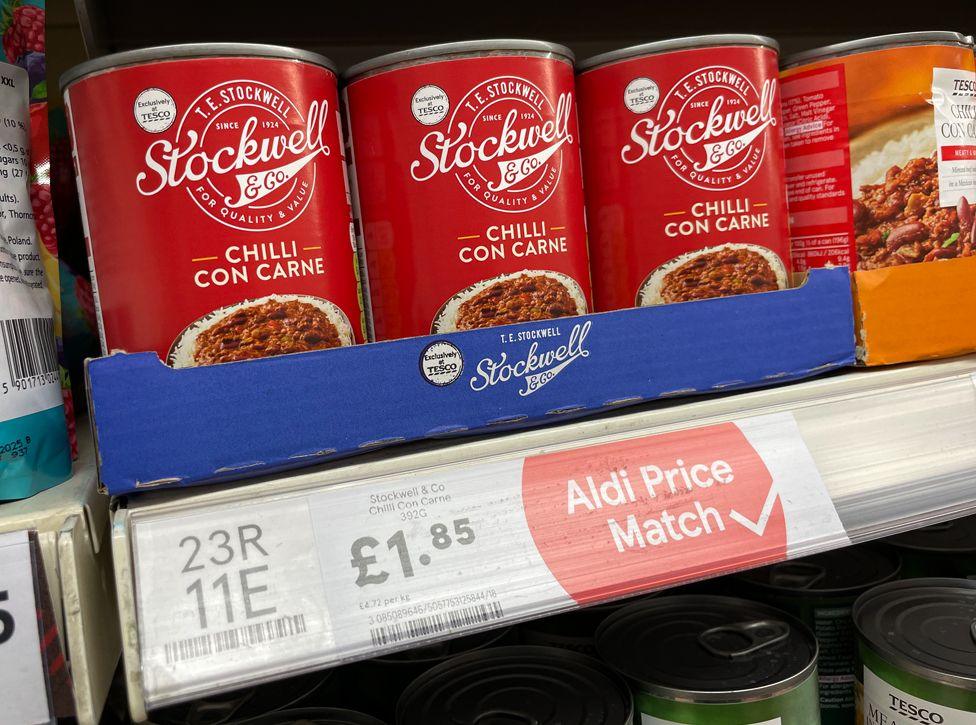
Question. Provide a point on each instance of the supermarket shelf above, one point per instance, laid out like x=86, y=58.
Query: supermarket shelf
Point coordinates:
x=72, y=525
x=892, y=447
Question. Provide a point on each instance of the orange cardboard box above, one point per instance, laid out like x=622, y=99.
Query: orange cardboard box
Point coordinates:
x=915, y=311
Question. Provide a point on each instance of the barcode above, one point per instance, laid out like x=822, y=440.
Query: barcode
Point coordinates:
x=249, y=635
x=436, y=623
x=29, y=345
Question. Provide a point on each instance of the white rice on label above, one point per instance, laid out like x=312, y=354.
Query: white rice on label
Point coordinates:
x=649, y=292
x=446, y=319
x=873, y=167
x=181, y=354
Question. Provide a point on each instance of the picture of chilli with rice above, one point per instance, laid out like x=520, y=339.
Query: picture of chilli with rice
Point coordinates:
x=272, y=325
x=897, y=214
x=523, y=296
x=895, y=116
x=720, y=271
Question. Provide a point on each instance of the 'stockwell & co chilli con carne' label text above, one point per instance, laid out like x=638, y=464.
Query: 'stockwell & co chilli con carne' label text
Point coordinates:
x=216, y=204
x=682, y=150
x=470, y=192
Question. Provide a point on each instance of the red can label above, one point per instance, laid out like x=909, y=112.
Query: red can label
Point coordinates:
x=685, y=190
x=217, y=209
x=470, y=194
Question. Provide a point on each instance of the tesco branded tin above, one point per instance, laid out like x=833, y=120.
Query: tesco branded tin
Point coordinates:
x=519, y=684
x=683, y=160
x=470, y=195
x=215, y=201
x=701, y=660
x=881, y=151
x=947, y=549
x=821, y=590
x=917, y=645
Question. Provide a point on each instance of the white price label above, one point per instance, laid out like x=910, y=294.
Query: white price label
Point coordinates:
x=225, y=594
x=432, y=553
x=22, y=680
x=429, y=554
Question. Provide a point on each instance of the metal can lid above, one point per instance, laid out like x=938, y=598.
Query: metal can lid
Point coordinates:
x=708, y=648
x=878, y=42
x=950, y=537
x=315, y=716
x=668, y=46
x=191, y=50
x=432, y=52
x=925, y=626
x=539, y=685
x=843, y=571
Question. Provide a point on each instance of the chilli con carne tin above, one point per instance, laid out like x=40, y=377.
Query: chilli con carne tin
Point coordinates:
x=520, y=684
x=683, y=159
x=821, y=590
x=470, y=196
x=942, y=550
x=703, y=660
x=215, y=201
x=881, y=151
x=917, y=644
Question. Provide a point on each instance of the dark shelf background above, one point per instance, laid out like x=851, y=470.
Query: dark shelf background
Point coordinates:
x=351, y=31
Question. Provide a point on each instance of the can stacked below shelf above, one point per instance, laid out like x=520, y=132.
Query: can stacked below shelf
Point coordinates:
x=705, y=660
x=516, y=685
x=943, y=550
x=917, y=645
x=316, y=716
x=821, y=590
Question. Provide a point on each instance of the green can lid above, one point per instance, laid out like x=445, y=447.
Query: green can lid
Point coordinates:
x=708, y=648
x=949, y=537
x=925, y=626
x=516, y=686
x=315, y=716
x=843, y=571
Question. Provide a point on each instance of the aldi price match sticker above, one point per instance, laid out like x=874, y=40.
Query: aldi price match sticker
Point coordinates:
x=22, y=679
x=225, y=594
x=441, y=551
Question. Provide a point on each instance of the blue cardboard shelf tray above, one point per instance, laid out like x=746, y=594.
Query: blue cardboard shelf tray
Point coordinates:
x=157, y=426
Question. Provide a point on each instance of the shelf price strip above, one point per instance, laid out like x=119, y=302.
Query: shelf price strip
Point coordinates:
x=22, y=679
x=245, y=590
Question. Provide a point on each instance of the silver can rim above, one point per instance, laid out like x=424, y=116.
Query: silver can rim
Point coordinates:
x=895, y=658
x=690, y=42
x=431, y=52
x=185, y=51
x=878, y=42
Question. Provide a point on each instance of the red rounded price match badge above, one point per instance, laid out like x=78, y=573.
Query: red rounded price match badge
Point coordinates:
x=633, y=515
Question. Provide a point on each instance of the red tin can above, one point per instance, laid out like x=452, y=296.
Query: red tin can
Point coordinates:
x=470, y=196
x=216, y=203
x=685, y=176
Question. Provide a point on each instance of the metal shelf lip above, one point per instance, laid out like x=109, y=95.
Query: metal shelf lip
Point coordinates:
x=71, y=521
x=891, y=447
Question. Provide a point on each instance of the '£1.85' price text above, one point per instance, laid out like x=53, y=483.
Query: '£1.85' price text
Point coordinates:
x=442, y=537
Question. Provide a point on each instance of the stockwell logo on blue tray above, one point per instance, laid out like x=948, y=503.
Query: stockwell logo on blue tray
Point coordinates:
x=546, y=357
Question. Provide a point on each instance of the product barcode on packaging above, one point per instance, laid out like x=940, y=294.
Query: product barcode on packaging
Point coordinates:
x=436, y=623
x=249, y=635
x=28, y=345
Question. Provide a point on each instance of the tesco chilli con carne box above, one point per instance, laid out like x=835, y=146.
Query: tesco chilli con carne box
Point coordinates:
x=158, y=426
